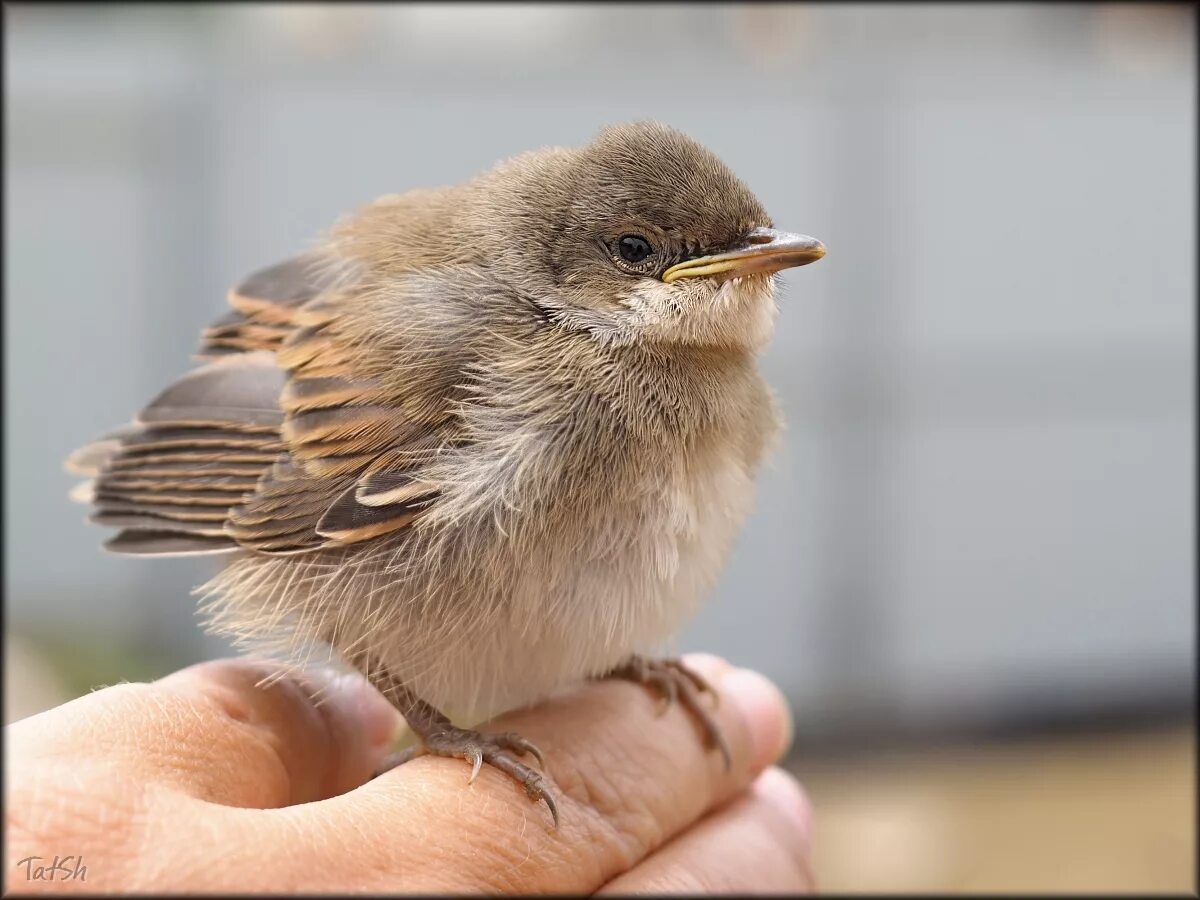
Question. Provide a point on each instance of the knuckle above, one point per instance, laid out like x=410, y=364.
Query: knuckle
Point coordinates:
x=238, y=674
x=223, y=714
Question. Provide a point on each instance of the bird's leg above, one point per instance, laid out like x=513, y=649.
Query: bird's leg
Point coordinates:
x=675, y=681
x=440, y=738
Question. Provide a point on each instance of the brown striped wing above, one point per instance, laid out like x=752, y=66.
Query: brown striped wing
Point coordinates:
x=272, y=445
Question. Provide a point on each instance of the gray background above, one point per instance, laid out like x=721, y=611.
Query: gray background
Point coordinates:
x=982, y=510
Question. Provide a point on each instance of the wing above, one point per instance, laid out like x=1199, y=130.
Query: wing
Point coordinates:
x=266, y=304
x=274, y=445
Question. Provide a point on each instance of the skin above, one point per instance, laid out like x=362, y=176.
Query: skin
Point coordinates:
x=203, y=781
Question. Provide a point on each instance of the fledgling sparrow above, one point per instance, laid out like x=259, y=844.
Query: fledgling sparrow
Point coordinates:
x=484, y=441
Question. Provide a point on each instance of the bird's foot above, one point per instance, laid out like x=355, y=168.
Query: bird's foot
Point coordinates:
x=497, y=750
x=675, y=681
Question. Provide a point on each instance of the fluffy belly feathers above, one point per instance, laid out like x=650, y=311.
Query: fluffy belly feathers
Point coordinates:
x=489, y=619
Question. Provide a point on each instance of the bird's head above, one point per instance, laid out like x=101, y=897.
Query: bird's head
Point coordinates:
x=641, y=235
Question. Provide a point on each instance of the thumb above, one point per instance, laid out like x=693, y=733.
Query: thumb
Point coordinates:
x=218, y=732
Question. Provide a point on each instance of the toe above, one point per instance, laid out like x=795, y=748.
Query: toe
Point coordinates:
x=536, y=786
x=698, y=681
x=523, y=746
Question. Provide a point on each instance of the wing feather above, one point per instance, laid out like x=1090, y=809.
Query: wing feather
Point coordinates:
x=274, y=445
x=266, y=303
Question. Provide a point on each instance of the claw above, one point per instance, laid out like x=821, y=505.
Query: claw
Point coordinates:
x=549, y=800
x=533, y=782
x=475, y=755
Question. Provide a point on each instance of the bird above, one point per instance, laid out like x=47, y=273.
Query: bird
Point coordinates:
x=479, y=442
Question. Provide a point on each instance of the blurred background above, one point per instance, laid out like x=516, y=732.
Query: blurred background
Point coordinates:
x=971, y=564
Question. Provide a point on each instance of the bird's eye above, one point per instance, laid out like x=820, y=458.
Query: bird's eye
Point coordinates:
x=633, y=248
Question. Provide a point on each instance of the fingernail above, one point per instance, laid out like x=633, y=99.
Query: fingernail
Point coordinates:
x=355, y=699
x=766, y=713
x=788, y=796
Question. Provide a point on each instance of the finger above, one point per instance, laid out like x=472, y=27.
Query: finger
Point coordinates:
x=756, y=844
x=215, y=732
x=627, y=780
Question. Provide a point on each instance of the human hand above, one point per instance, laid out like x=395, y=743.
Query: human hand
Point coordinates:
x=203, y=782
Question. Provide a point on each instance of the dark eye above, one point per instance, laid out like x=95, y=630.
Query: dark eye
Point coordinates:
x=633, y=248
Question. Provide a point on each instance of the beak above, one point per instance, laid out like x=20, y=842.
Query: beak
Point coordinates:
x=765, y=251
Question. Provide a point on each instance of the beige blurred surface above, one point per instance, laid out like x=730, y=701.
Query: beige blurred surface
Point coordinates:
x=1108, y=813
x=31, y=683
